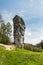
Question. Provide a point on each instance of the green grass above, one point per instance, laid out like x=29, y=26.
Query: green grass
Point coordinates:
x=20, y=57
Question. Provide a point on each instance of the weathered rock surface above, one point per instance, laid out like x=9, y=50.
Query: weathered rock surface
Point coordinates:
x=19, y=29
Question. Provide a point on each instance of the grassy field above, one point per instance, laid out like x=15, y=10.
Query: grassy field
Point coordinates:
x=20, y=57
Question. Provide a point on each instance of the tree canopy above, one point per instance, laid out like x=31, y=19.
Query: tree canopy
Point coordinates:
x=5, y=31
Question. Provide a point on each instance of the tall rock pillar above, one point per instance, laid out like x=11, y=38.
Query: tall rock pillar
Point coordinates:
x=19, y=30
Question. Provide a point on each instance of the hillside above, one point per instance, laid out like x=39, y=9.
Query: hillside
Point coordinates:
x=19, y=56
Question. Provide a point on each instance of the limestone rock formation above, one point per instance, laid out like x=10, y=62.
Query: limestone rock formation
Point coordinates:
x=19, y=30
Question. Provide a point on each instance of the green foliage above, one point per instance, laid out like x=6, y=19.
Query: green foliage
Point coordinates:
x=35, y=49
x=5, y=32
x=0, y=37
x=32, y=48
x=40, y=45
x=8, y=29
x=4, y=39
x=28, y=46
x=3, y=28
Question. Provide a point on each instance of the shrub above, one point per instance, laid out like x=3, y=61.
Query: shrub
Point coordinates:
x=32, y=48
x=4, y=39
x=37, y=49
x=28, y=46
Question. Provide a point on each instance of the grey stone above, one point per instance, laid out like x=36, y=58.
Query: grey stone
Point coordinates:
x=19, y=30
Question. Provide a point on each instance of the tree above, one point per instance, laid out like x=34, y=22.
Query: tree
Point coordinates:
x=1, y=21
x=3, y=28
x=5, y=33
x=8, y=29
x=40, y=45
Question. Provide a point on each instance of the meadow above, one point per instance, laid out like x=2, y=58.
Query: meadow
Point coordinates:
x=19, y=56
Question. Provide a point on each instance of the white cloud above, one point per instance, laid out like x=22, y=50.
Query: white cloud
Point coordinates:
x=7, y=16
x=32, y=40
x=28, y=32
x=27, y=18
x=21, y=13
x=31, y=0
x=33, y=37
x=33, y=9
x=41, y=2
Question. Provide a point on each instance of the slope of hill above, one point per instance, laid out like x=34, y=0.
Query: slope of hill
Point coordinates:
x=19, y=56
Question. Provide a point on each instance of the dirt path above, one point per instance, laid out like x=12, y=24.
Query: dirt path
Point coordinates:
x=8, y=47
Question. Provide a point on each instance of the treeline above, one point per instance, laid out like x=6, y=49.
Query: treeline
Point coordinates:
x=36, y=48
x=5, y=31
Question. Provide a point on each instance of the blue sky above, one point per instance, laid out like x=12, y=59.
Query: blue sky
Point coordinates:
x=32, y=13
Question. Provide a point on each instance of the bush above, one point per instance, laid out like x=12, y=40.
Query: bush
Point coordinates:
x=40, y=45
x=4, y=39
x=28, y=46
x=37, y=49
x=32, y=48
